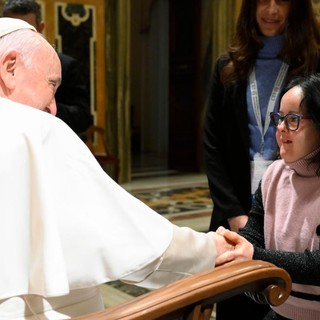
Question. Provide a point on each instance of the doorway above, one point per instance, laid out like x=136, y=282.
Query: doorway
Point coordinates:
x=165, y=108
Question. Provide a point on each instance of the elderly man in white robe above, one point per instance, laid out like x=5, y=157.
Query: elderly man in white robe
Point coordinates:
x=66, y=226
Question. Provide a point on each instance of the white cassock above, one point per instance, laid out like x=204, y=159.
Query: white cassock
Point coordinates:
x=67, y=227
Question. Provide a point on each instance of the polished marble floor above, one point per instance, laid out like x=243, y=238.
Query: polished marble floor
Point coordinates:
x=182, y=199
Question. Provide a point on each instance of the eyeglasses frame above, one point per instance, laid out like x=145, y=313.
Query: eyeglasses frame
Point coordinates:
x=283, y=118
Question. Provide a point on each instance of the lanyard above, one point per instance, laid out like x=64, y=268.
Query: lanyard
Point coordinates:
x=272, y=100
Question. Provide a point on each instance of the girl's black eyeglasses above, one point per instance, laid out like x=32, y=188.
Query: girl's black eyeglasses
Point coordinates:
x=291, y=120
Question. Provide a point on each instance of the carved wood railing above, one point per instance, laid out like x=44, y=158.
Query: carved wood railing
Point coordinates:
x=194, y=297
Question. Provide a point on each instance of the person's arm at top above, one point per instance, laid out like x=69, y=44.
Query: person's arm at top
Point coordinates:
x=219, y=180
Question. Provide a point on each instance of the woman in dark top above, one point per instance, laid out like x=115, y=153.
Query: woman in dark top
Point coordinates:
x=274, y=41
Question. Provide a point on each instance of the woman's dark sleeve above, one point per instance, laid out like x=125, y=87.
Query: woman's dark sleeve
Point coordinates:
x=303, y=267
x=220, y=179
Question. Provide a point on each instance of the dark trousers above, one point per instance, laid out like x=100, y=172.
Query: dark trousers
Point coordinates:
x=241, y=307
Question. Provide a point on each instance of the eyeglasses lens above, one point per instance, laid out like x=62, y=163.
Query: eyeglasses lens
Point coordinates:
x=291, y=120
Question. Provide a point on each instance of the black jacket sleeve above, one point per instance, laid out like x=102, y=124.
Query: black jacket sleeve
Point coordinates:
x=72, y=96
x=226, y=154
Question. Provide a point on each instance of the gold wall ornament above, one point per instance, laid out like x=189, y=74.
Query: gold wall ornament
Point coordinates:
x=75, y=34
x=74, y=16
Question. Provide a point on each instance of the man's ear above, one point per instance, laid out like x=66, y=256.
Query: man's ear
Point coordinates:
x=41, y=26
x=8, y=64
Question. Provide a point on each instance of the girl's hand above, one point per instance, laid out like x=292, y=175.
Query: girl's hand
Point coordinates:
x=243, y=249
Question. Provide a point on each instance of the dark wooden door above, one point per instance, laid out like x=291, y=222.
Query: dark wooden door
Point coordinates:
x=184, y=102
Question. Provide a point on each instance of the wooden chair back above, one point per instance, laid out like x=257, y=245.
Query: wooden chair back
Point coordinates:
x=193, y=297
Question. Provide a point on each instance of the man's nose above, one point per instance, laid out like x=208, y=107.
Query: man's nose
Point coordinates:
x=52, y=108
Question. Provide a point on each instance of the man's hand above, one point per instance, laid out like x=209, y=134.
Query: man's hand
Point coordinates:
x=222, y=244
x=242, y=250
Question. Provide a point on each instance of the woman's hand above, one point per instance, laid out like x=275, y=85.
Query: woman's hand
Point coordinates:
x=238, y=222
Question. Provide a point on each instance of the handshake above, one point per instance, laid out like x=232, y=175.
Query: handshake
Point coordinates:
x=231, y=246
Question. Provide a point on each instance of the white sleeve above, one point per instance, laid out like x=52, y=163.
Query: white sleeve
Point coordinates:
x=189, y=252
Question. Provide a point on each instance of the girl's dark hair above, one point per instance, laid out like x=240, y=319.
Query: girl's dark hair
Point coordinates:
x=310, y=103
x=301, y=42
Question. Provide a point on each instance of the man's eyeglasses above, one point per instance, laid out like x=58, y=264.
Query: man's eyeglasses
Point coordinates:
x=291, y=120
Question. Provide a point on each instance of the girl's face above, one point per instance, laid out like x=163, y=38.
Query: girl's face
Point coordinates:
x=272, y=16
x=295, y=145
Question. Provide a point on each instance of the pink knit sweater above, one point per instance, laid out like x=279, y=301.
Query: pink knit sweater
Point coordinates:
x=291, y=200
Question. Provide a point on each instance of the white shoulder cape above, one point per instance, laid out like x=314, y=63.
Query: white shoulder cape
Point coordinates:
x=65, y=224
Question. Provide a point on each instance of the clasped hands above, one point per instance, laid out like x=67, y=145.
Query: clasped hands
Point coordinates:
x=231, y=246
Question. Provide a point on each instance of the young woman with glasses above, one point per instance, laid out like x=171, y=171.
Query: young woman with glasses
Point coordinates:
x=284, y=222
x=275, y=40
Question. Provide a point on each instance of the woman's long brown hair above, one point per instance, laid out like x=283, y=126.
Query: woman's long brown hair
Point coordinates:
x=301, y=42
